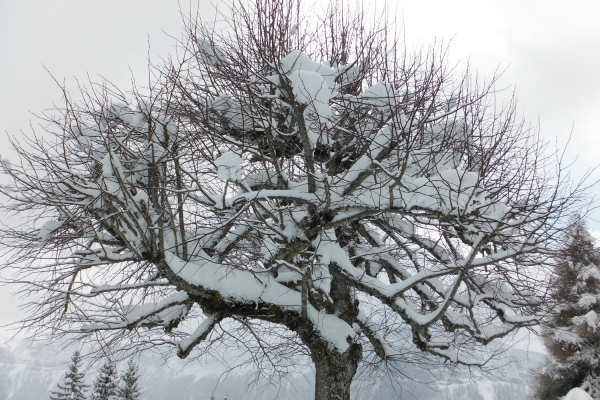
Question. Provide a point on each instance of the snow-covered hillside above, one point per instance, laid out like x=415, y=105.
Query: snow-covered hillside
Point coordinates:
x=28, y=372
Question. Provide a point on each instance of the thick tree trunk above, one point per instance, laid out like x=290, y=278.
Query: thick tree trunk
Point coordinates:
x=335, y=371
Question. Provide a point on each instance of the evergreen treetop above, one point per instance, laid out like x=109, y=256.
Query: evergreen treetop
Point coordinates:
x=129, y=389
x=105, y=387
x=73, y=386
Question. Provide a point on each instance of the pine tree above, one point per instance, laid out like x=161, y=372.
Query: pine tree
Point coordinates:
x=73, y=386
x=129, y=389
x=571, y=332
x=105, y=387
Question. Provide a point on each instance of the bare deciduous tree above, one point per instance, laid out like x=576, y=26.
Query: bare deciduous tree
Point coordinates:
x=292, y=186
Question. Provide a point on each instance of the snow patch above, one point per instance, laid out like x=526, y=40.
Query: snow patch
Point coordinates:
x=577, y=394
x=229, y=166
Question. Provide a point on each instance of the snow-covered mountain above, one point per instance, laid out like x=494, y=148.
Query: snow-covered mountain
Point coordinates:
x=28, y=372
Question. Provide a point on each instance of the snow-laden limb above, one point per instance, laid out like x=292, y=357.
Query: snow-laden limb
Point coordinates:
x=185, y=346
x=325, y=195
x=165, y=313
x=238, y=286
x=123, y=287
x=371, y=331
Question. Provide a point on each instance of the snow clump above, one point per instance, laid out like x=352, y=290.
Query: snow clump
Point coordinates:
x=229, y=166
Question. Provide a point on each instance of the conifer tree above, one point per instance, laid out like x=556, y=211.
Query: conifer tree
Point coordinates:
x=73, y=386
x=571, y=332
x=105, y=387
x=129, y=389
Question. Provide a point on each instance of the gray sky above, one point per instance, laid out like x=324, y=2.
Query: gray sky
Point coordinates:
x=552, y=52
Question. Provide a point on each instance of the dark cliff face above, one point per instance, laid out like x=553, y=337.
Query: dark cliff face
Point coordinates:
x=29, y=372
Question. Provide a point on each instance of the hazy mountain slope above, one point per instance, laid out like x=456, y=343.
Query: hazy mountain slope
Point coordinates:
x=29, y=372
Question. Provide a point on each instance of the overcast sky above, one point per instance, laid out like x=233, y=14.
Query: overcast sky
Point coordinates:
x=551, y=50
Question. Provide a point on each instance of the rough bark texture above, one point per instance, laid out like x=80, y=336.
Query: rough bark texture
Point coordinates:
x=335, y=371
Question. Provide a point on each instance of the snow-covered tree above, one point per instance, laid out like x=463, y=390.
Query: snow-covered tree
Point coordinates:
x=294, y=187
x=571, y=332
x=129, y=389
x=106, y=384
x=73, y=385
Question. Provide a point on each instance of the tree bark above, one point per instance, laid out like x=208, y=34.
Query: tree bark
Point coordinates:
x=335, y=371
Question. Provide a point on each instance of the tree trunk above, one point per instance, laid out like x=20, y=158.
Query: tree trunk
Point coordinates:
x=335, y=371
